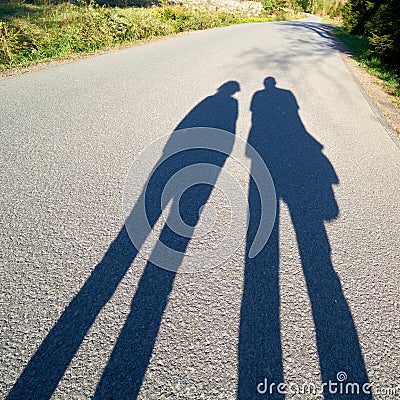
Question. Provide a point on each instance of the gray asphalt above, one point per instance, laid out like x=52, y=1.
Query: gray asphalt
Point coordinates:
x=323, y=296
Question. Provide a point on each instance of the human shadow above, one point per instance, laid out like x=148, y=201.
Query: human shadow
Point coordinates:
x=122, y=377
x=303, y=178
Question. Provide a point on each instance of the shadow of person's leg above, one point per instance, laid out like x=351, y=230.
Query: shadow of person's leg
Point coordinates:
x=48, y=365
x=46, y=368
x=124, y=373
x=337, y=340
x=260, y=353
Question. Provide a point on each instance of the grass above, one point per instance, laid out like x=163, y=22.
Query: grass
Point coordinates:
x=359, y=46
x=32, y=33
x=329, y=21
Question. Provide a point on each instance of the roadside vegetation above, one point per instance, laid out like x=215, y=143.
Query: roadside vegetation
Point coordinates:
x=32, y=31
x=371, y=30
x=40, y=31
x=363, y=52
x=330, y=10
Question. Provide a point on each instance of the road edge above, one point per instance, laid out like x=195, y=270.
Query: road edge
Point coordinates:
x=11, y=72
x=387, y=112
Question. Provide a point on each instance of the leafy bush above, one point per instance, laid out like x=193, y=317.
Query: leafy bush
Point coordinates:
x=9, y=41
x=353, y=14
x=384, y=32
x=282, y=9
x=360, y=47
x=269, y=5
x=379, y=20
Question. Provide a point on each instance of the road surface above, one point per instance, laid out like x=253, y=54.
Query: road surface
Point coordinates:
x=82, y=313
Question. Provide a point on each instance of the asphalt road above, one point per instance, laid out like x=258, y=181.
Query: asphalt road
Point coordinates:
x=82, y=313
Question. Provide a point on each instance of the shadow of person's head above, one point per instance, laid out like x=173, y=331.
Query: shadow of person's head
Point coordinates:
x=219, y=110
x=229, y=88
x=269, y=82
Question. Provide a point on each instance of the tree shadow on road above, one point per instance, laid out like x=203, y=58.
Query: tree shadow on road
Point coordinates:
x=303, y=177
x=123, y=376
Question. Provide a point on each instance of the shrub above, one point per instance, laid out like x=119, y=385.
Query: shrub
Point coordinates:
x=269, y=5
x=379, y=20
x=11, y=42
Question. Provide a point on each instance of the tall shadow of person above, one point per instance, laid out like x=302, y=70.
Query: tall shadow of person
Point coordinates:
x=303, y=178
x=123, y=375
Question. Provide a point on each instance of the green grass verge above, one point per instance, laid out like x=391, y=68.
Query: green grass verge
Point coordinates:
x=329, y=21
x=32, y=33
x=359, y=46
